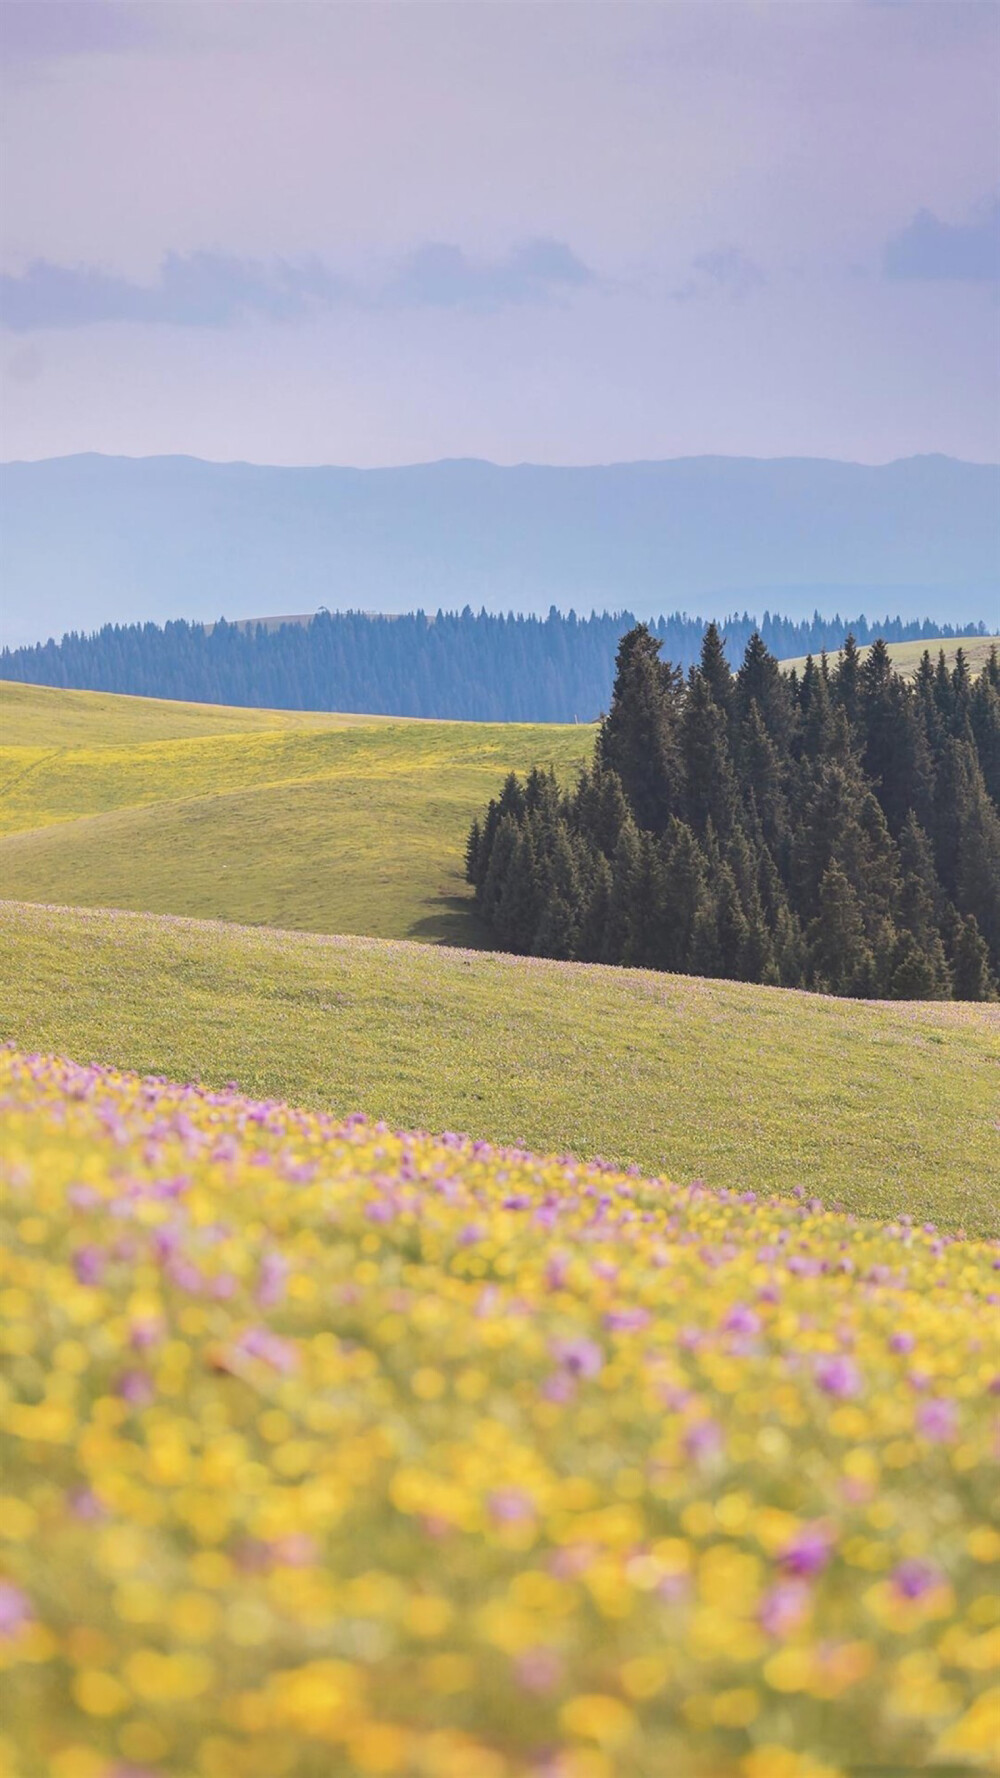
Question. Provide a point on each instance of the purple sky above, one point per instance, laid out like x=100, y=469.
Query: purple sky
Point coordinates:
x=383, y=233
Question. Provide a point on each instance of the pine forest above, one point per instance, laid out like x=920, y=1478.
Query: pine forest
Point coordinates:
x=837, y=830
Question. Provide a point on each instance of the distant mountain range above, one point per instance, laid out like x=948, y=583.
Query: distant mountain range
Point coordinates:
x=87, y=540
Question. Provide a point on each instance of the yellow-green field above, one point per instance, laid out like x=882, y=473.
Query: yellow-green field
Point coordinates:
x=886, y=1108
x=323, y=823
x=906, y=656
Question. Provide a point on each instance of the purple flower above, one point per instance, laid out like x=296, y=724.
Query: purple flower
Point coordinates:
x=557, y=1271
x=511, y=1506
x=839, y=1376
x=89, y=1264
x=84, y=1504
x=82, y=1197
x=260, y=1342
x=135, y=1388
x=937, y=1420
x=627, y=1320
x=809, y=1551
x=582, y=1358
x=15, y=1610
x=186, y=1276
x=912, y=1579
x=538, y=1669
x=145, y=1331
x=380, y=1210
x=559, y=1388
x=272, y=1279
x=673, y=1589
x=784, y=1607
x=741, y=1320
x=296, y=1550
x=901, y=1342
x=703, y=1440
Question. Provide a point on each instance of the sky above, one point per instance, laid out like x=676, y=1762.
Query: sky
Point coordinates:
x=391, y=231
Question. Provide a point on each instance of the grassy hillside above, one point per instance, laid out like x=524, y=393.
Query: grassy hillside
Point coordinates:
x=906, y=656
x=887, y=1108
x=323, y=823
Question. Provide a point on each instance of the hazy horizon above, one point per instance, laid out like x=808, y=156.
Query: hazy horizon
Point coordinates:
x=90, y=539
x=513, y=463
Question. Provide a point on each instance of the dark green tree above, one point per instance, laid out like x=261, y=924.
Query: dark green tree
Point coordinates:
x=638, y=736
x=710, y=788
x=971, y=964
x=841, y=959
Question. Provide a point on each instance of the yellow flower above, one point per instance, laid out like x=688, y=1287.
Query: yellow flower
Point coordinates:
x=596, y=1717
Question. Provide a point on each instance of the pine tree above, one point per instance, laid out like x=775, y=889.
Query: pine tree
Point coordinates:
x=732, y=929
x=472, y=849
x=817, y=719
x=593, y=938
x=761, y=767
x=520, y=902
x=637, y=738
x=626, y=874
x=984, y=720
x=502, y=855
x=710, y=792
x=971, y=964
x=839, y=952
x=686, y=901
x=847, y=680
x=760, y=681
x=715, y=669
x=558, y=930
x=919, y=973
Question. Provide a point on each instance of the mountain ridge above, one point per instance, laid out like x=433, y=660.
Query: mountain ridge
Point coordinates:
x=88, y=539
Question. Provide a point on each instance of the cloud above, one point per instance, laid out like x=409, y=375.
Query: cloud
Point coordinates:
x=216, y=290
x=440, y=275
x=931, y=249
x=192, y=290
x=726, y=271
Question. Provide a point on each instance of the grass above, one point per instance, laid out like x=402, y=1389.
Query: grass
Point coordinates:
x=906, y=656
x=291, y=819
x=887, y=1108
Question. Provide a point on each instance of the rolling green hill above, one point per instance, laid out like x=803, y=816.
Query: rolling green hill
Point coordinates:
x=906, y=656
x=324, y=823
x=885, y=1107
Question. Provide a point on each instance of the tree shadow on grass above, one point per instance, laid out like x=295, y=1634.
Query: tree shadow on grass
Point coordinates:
x=451, y=920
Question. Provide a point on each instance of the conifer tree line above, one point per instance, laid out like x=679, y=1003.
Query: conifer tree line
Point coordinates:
x=478, y=666
x=838, y=830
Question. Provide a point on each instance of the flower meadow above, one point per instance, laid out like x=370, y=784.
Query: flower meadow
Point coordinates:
x=331, y=1449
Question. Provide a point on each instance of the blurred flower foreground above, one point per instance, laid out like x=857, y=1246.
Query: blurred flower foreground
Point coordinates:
x=332, y=1449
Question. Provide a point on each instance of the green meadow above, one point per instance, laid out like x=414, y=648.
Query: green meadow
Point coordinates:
x=907, y=656
x=885, y=1108
x=310, y=822
x=268, y=829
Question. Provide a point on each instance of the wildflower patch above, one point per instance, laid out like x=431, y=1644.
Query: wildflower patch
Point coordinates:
x=333, y=1449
